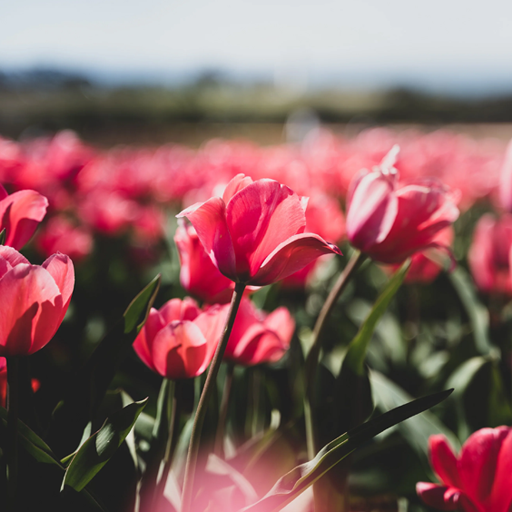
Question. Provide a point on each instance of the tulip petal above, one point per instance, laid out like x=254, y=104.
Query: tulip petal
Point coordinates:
x=443, y=460
x=20, y=214
x=259, y=217
x=179, y=310
x=478, y=461
x=291, y=256
x=12, y=256
x=209, y=222
x=239, y=182
x=26, y=292
x=371, y=210
x=438, y=496
x=143, y=343
x=61, y=269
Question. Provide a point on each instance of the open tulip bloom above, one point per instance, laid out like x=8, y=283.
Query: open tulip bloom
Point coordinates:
x=390, y=220
x=34, y=300
x=254, y=233
x=479, y=480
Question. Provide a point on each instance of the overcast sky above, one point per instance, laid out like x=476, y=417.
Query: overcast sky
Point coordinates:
x=274, y=36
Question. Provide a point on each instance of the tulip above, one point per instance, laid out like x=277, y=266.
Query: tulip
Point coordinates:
x=505, y=184
x=476, y=481
x=258, y=337
x=178, y=340
x=198, y=275
x=20, y=214
x=33, y=300
x=389, y=220
x=254, y=234
x=490, y=253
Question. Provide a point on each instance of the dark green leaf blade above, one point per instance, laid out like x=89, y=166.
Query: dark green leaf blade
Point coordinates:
x=137, y=311
x=300, y=478
x=100, y=447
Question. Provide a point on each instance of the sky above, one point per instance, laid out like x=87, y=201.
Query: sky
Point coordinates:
x=358, y=42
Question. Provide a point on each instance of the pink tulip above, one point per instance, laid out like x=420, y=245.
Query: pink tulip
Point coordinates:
x=389, y=220
x=505, y=184
x=476, y=481
x=198, y=275
x=258, y=337
x=20, y=214
x=254, y=234
x=178, y=340
x=33, y=300
x=490, y=254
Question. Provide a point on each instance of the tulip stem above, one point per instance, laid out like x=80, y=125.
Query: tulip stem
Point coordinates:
x=209, y=386
x=311, y=364
x=224, y=407
x=12, y=431
x=173, y=411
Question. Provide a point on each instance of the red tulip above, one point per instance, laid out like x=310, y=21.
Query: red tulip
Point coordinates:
x=389, y=220
x=20, y=214
x=476, y=481
x=258, y=337
x=33, y=300
x=178, y=340
x=254, y=234
x=198, y=275
x=490, y=254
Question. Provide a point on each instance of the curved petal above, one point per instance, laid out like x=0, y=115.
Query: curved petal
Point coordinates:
x=259, y=217
x=178, y=310
x=438, y=497
x=30, y=302
x=212, y=323
x=61, y=269
x=143, y=343
x=371, y=210
x=501, y=499
x=478, y=463
x=443, y=460
x=20, y=214
x=209, y=222
x=291, y=256
x=12, y=256
x=239, y=182
x=179, y=350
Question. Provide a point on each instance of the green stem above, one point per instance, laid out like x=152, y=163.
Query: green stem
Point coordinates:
x=209, y=386
x=12, y=431
x=311, y=364
x=223, y=415
x=174, y=411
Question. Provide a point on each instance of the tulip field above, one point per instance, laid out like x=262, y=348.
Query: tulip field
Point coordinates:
x=323, y=326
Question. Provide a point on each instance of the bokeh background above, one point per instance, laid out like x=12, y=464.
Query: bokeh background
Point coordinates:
x=157, y=71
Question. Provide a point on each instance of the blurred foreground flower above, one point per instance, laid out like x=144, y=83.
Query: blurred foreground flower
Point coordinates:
x=258, y=337
x=20, y=214
x=478, y=480
x=178, y=340
x=33, y=300
x=490, y=254
x=389, y=220
x=254, y=234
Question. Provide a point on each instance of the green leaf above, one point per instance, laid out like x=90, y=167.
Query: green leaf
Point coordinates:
x=3, y=236
x=300, y=478
x=101, y=446
x=417, y=430
x=477, y=313
x=137, y=312
x=356, y=353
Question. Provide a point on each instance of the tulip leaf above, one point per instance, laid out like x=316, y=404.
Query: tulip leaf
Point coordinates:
x=477, y=313
x=356, y=353
x=417, y=430
x=101, y=446
x=3, y=236
x=137, y=312
x=296, y=481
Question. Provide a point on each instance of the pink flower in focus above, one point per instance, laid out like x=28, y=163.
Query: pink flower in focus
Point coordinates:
x=254, y=234
x=490, y=254
x=60, y=235
x=198, y=275
x=178, y=340
x=258, y=337
x=389, y=220
x=20, y=214
x=33, y=300
x=476, y=481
